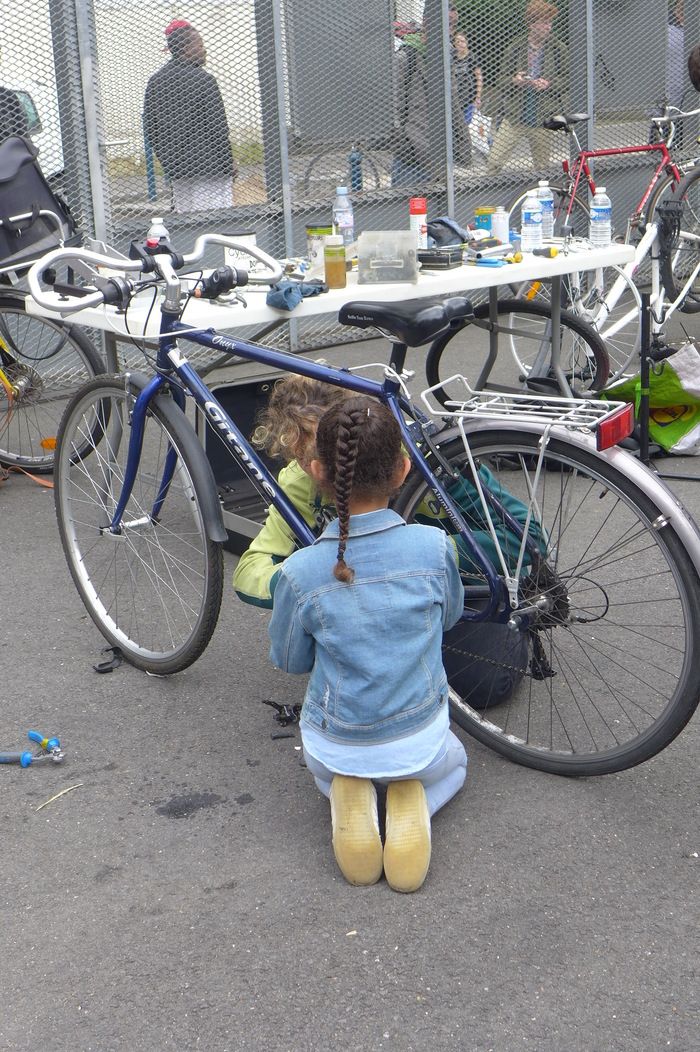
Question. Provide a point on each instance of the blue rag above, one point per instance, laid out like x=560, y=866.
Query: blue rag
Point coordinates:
x=287, y=294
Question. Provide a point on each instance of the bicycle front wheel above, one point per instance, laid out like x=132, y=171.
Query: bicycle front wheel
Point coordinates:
x=526, y=330
x=614, y=669
x=154, y=589
x=680, y=264
x=42, y=364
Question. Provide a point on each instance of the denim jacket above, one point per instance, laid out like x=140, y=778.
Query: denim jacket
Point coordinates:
x=373, y=647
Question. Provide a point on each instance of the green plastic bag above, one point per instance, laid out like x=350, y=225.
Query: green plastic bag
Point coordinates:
x=674, y=400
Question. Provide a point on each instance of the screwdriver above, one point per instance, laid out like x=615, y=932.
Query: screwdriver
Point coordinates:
x=549, y=252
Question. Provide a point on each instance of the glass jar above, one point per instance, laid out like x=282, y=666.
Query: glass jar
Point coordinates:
x=334, y=262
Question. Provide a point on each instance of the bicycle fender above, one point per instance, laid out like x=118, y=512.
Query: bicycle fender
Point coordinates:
x=671, y=510
x=203, y=476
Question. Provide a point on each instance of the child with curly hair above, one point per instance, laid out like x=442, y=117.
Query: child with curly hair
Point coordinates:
x=286, y=430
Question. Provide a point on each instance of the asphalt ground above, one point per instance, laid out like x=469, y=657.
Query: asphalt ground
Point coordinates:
x=184, y=895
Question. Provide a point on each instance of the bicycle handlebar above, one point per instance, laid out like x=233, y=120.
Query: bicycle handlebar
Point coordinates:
x=113, y=287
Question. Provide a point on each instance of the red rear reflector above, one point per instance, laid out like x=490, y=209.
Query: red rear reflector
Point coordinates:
x=615, y=427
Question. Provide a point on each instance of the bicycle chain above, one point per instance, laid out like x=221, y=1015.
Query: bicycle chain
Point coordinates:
x=538, y=667
x=489, y=661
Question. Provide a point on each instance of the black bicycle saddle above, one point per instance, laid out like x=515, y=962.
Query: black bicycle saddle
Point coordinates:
x=563, y=121
x=412, y=322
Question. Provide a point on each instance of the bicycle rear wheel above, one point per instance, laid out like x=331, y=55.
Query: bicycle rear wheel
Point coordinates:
x=154, y=590
x=527, y=331
x=42, y=363
x=681, y=264
x=614, y=668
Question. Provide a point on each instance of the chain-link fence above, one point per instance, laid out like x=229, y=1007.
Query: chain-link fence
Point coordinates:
x=244, y=115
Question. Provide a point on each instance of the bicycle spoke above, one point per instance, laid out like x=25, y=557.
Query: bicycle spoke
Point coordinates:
x=602, y=673
x=148, y=581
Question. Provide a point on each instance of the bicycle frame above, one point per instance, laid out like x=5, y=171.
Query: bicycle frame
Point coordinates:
x=388, y=392
x=581, y=169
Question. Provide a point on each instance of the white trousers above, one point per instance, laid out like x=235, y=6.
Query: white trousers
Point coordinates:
x=442, y=778
x=198, y=195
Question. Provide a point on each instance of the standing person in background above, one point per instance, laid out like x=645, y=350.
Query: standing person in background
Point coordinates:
x=414, y=156
x=13, y=119
x=675, y=66
x=185, y=124
x=694, y=67
x=533, y=78
x=470, y=80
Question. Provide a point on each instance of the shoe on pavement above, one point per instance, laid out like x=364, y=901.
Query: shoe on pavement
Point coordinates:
x=357, y=844
x=407, y=840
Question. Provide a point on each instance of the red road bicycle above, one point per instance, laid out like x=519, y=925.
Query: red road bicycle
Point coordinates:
x=609, y=299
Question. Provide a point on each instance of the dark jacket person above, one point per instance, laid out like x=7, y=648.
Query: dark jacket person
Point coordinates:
x=185, y=124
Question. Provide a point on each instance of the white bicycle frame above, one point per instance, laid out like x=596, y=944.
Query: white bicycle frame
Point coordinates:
x=605, y=303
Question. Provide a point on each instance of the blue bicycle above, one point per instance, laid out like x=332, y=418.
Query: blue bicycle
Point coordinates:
x=600, y=569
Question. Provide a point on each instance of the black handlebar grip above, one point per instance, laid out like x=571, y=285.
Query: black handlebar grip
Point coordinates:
x=221, y=280
x=117, y=290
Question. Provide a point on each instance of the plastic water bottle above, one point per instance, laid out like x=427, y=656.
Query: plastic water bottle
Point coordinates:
x=157, y=231
x=343, y=219
x=544, y=192
x=531, y=222
x=601, y=219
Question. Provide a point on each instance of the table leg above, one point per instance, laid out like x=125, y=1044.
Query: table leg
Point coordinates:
x=111, y=355
x=556, y=339
x=493, y=341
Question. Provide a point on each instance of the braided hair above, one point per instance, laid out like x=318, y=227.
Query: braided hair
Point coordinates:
x=359, y=445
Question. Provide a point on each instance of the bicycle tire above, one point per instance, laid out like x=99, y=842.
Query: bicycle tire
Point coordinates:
x=43, y=363
x=666, y=190
x=583, y=354
x=683, y=259
x=626, y=681
x=621, y=328
x=154, y=590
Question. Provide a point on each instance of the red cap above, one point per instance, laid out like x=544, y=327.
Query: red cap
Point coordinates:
x=177, y=23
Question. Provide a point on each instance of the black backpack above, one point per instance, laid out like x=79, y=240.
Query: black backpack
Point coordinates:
x=26, y=233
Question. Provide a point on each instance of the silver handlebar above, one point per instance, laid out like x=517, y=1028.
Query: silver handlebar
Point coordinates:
x=88, y=261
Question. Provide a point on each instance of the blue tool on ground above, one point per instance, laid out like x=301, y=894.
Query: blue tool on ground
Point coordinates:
x=49, y=749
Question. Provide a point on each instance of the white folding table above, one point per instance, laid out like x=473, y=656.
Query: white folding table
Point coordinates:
x=143, y=318
x=241, y=382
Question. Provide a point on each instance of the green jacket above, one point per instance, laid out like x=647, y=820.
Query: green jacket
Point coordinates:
x=255, y=575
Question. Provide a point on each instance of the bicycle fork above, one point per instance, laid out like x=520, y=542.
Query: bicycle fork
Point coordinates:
x=137, y=421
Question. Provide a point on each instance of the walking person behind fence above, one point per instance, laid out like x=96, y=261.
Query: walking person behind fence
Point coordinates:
x=185, y=124
x=532, y=81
